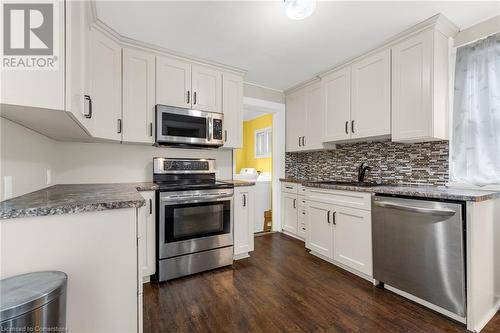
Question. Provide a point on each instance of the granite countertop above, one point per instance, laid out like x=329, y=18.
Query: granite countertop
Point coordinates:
x=237, y=182
x=75, y=198
x=422, y=191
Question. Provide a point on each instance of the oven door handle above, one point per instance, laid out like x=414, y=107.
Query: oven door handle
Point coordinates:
x=212, y=198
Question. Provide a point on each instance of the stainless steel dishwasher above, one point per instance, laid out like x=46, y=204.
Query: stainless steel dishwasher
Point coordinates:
x=418, y=248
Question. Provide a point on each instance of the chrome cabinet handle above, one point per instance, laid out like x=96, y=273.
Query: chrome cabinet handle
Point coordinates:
x=88, y=114
x=352, y=126
x=188, y=97
x=294, y=203
x=328, y=217
x=333, y=218
x=194, y=98
x=303, y=141
x=150, y=129
x=414, y=209
x=244, y=200
x=289, y=187
x=299, y=142
x=346, y=127
x=119, y=126
x=150, y=206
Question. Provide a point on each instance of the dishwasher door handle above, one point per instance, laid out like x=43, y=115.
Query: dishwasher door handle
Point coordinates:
x=414, y=209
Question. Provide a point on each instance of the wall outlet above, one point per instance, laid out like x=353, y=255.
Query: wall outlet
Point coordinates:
x=49, y=176
x=7, y=187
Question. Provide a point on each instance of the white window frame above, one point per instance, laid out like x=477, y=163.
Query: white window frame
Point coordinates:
x=267, y=131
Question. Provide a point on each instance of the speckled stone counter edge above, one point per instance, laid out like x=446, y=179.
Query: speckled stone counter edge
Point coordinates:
x=434, y=192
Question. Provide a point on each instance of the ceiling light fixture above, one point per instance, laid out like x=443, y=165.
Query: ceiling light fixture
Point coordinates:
x=299, y=9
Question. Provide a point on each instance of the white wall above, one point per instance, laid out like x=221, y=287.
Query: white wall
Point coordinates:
x=110, y=162
x=25, y=156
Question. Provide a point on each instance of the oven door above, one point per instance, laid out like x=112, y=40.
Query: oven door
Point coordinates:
x=183, y=126
x=194, y=221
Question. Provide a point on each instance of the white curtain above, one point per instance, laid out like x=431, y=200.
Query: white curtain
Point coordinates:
x=475, y=144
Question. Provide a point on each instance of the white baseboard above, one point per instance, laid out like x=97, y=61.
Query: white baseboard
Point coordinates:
x=292, y=235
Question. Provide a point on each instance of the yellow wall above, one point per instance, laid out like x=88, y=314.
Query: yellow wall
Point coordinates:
x=245, y=157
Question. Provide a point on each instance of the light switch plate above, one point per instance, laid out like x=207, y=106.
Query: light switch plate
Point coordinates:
x=7, y=187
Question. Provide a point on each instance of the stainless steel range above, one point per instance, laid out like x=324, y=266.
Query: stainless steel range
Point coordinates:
x=194, y=226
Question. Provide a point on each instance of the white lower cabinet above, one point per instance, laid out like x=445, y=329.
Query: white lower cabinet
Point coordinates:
x=293, y=210
x=244, y=214
x=339, y=230
x=319, y=234
x=290, y=218
x=352, y=238
x=146, y=221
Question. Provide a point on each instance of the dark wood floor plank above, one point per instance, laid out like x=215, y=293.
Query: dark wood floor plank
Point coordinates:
x=282, y=288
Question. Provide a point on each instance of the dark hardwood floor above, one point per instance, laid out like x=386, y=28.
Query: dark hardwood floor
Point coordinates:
x=282, y=288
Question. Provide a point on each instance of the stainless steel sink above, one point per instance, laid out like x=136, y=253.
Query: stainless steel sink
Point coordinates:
x=345, y=183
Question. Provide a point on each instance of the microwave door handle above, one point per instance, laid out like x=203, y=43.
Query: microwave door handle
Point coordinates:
x=210, y=129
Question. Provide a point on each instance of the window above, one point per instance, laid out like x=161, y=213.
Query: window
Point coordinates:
x=475, y=144
x=263, y=142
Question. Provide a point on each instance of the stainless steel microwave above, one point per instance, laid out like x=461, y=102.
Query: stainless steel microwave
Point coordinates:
x=185, y=127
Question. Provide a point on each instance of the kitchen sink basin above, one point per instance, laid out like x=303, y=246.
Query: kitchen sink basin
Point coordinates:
x=345, y=183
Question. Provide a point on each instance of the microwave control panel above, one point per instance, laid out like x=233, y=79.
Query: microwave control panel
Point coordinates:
x=217, y=129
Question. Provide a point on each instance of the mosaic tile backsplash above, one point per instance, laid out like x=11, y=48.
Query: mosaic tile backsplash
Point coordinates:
x=392, y=163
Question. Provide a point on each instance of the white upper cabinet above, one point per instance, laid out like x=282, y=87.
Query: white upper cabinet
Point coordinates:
x=206, y=88
x=371, y=96
x=173, y=82
x=104, y=86
x=420, y=88
x=295, y=119
x=232, y=107
x=303, y=118
x=138, y=96
x=39, y=88
x=314, y=107
x=336, y=89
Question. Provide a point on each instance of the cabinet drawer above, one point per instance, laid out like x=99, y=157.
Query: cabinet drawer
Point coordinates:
x=301, y=189
x=359, y=200
x=289, y=187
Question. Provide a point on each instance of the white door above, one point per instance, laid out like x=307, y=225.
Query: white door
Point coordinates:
x=173, y=82
x=77, y=39
x=138, y=96
x=243, y=220
x=232, y=107
x=207, y=89
x=336, y=90
x=295, y=116
x=412, y=88
x=314, y=115
x=319, y=228
x=289, y=213
x=352, y=238
x=147, y=232
x=371, y=96
x=105, y=86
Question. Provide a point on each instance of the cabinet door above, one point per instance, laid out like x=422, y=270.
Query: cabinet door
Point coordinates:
x=77, y=39
x=138, y=96
x=319, y=228
x=173, y=82
x=38, y=88
x=336, y=90
x=295, y=116
x=105, y=86
x=232, y=107
x=207, y=89
x=243, y=220
x=412, y=88
x=148, y=234
x=314, y=114
x=371, y=96
x=353, y=238
x=289, y=213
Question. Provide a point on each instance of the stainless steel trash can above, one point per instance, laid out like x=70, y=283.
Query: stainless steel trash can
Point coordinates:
x=33, y=302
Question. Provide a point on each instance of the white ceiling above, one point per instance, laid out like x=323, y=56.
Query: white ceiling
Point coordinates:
x=276, y=51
